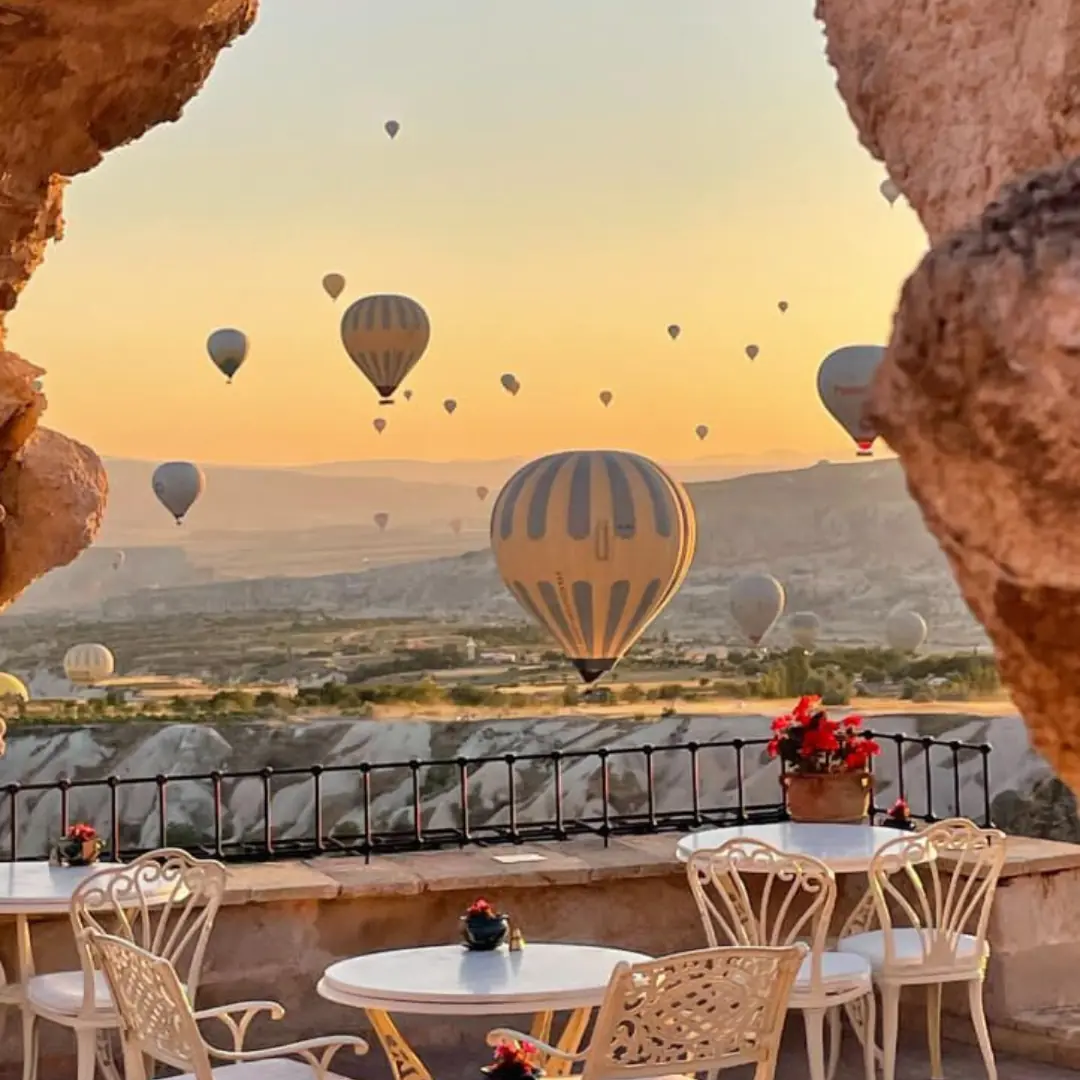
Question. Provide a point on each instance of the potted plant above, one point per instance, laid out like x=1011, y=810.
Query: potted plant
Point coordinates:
x=482, y=927
x=79, y=846
x=513, y=1061
x=899, y=817
x=827, y=777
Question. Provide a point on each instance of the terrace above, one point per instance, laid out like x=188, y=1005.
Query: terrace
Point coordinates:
x=610, y=878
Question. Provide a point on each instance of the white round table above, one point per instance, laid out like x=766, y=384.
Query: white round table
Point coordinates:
x=450, y=980
x=845, y=849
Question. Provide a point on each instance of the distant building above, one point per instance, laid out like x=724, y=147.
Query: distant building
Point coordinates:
x=470, y=650
x=499, y=657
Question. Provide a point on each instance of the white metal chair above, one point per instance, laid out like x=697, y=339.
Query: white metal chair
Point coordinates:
x=750, y=893
x=158, y=1023
x=166, y=902
x=691, y=1012
x=934, y=930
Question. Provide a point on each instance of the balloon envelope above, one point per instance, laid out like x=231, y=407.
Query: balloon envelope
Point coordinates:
x=752, y=351
x=510, y=383
x=482, y=492
x=334, y=284
x=379, y=424
x=905, y=630
x=228, y=349
x=407, y=394
x=889, y=190
x=450, y=405
x=674, y=330
x=88, y=664
x=783, y=306
x=757, y=601
x=701, y=431
x=382, y=520
x=385, y=336
x=844, y=381
x=455, y=525
x=392, y=127
x=593, y=544
x=10, y=686
x=805, y=627
x=605, y=397
x=118, y=560
x=177, y=484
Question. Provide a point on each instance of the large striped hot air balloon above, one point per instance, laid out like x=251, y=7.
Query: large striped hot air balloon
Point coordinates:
x=593, y=544
x=385, y=336
x=88, y=664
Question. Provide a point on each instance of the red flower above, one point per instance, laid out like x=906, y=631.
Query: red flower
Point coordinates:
x=82, y=833
x=480, y=907
x=808, y=741
x=900, y=810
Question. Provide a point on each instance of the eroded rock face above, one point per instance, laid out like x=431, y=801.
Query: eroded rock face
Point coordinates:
x=77, y=78
x=979, y=393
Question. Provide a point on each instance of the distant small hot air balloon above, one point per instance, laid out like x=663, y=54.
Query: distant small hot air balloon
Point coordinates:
x=392, y=127
x=757, y=601
x=455, y=526
x=593, y=544
x=118, y=560
x=334, y=284
x=701, y=431
x=805, y=627
x=407, y=395
x=783, y=306
x=674, y=330
x=889, y=190
x=844, y=381
x=382, y=520
x=450, y=405
x=177, y=484
x=606, y=397
x=228, y=349
x=88, y=664
x=752, y=351
x=482, y=492
x=385, y=336
x=905, y=630
x=510, y=384
x=379, y=424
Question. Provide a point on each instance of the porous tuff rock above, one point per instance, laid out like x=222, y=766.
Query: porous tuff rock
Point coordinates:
x=77, y=78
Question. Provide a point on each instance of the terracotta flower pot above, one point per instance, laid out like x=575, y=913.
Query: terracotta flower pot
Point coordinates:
x=829, y=798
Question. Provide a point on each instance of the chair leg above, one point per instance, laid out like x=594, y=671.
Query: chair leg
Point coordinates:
x=933, y=1029
x=869, y=1046
x=890, y=1028
x=982, y=1032
x=836, y=1033
x=85, y=1053
x=814, y=1021
x=30, y=1045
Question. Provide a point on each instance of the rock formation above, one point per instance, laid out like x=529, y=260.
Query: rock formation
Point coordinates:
x=78, y=78
x=979, y=393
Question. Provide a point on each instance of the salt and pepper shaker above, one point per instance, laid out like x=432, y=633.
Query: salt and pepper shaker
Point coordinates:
x=517, y=941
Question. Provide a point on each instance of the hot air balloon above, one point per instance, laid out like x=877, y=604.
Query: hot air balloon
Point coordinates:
x=334, y=284
x=783, y=306
x=379, y=424
x=11, y=687
x=844, y=381
x=510, y=384
x=407, y=394
x=385, y=336
x=752, y=351
x=757, y=601
x=674, y=330
x=905, y=630
x=392, y=127
x=701, y=431
x=593, y=543
x=482, y=492
x=805, y=627
x=228, y=349
x=606, y=397
x=450, y=405
x=889, y=190
x=118, y=560
x=382, y=520
x=455, y=526
x=177, y=484
x=88, y=664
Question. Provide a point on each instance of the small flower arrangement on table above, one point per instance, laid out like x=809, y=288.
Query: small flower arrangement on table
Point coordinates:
x=79, y=846
x=827, y=777
x=899, y=817
x=513, y=1061
x=484, y=928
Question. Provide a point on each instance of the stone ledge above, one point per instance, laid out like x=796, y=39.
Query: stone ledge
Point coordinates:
x=1026, y=857
x=1050, y=1036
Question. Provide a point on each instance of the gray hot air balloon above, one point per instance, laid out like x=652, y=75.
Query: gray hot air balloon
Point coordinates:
x=606, y=397
x=177, y=484
x=455, y=526
x=334, y=284
x=889, y=191
x=450, y=405
x=228, y=349
x=674, y=330
x=482, y=493
x=701, y=431
x=392, y=127
x=844, y=381
x=510, y=384
x=805, y=627
x=407, y=395
x=379, y=424
x=382, y=520
x=905, y=630
x=752, y=351
x=118, y=560
x=757, y=601
x=783, y=306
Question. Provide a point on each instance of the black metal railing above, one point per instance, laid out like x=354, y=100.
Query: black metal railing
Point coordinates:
x=622, y=796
